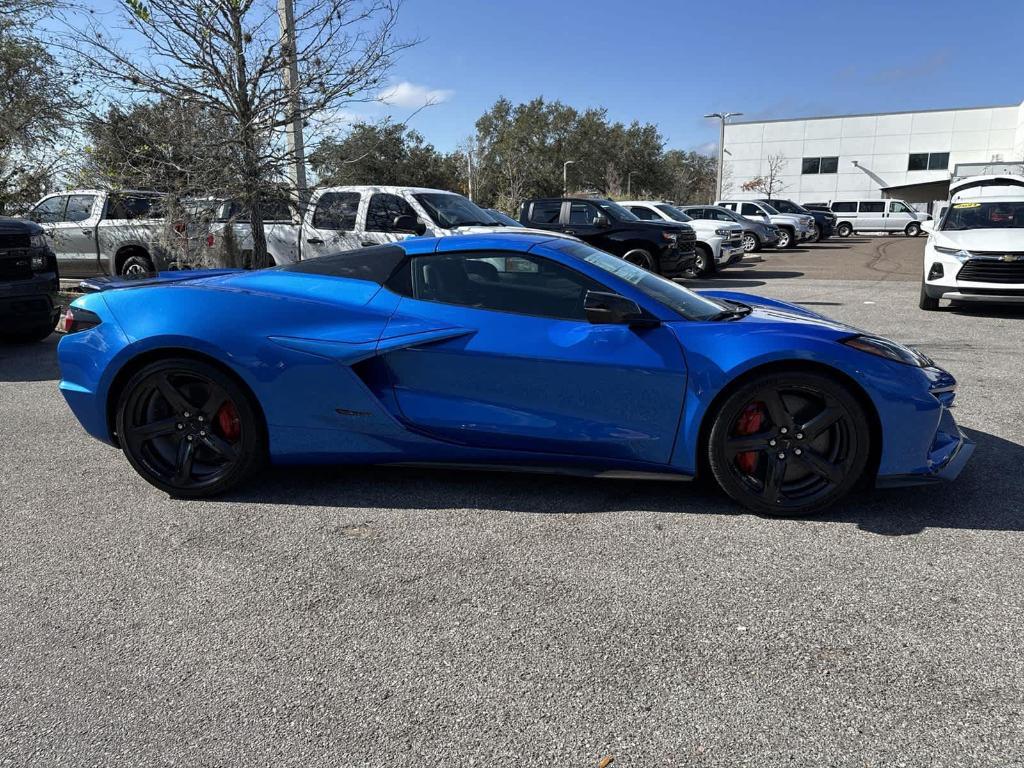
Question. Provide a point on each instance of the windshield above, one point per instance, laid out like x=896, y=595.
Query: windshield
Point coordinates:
x=616, y=211
x=769, y=209
x=673, y=213
x=670, y=294
x=451, y=211
x=786, y=206
x=503, y=218
x=993, y=215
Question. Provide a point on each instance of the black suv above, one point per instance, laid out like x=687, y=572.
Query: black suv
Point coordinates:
x=667, y=248
x=29, y=283
x=825, y=220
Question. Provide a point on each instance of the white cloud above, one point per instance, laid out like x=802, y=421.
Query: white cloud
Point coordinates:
x=411, y=96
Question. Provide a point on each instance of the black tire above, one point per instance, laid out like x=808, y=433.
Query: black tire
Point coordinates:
x=808, y=447
x=926, y=302
x=189, y=428
x=751, y=243
x=913, y=229
x=787, y=238
x=136, y=264
x=815, y=236
x=641, y=258
x=844, y=229
x=28, y=336
x=705, y=263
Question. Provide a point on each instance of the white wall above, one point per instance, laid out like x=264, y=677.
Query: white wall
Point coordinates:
x=880, y=143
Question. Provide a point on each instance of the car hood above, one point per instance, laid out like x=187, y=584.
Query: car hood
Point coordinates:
x=11, y=226
x=980, y=239
x=771, y=311
x=791, y=218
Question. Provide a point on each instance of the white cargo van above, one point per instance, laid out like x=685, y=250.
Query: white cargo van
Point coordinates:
x=877, y=216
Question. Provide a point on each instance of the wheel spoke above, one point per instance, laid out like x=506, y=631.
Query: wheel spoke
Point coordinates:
x=214, y=401
x=219, y=446
x=773, y=478
x=776, y=408
x=745, y=443
x=820, y=466
x=146, y=432
x=173, y=397
x=183, y=462
x=818, y=424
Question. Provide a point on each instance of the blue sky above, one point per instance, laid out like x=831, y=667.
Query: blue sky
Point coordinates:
x=671, y=62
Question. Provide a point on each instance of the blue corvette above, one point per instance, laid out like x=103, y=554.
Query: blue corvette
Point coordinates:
x=513, y=351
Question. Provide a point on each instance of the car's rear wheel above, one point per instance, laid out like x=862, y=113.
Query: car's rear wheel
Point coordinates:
x=188, y=428
x=844, y=230
x=750, y=243
x=789, y=444
x=137, y=265
x=641, y=258
x=913, y=229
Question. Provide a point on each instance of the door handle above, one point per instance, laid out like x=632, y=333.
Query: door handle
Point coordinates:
x=367, y=243
x=86, y=232
x=314, y=241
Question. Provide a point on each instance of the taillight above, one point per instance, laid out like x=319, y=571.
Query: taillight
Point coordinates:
x=76, y=320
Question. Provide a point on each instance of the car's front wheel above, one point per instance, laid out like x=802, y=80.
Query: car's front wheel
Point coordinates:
x=913, y=229
x=789, y=444
x=786, y=238
x=926, y=302
x=705, y=262
x=188, y=428
x=750, y=243
x=641, y=258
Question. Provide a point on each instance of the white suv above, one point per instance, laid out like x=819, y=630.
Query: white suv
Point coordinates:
x=793, y=228
x=976, y=252
x=719, y=243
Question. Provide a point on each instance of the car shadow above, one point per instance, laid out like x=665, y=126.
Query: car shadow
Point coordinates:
x=35, y=361
x=987, y=310
x=987, y=495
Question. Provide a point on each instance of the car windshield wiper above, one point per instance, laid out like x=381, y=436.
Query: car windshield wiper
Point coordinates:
x=734, y=312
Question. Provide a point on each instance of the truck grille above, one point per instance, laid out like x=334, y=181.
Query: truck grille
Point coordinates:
x=15, y=267
x=11, y=241
x=990, y=271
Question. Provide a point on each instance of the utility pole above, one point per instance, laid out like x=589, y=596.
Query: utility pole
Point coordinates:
x=565, y=176
x=629, y=184
x=722, y=116
x=293, y=129
x=469, y=171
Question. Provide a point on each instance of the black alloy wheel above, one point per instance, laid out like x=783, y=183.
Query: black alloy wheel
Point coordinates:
x=789, y=444
x=640, y=258
x=188, y=428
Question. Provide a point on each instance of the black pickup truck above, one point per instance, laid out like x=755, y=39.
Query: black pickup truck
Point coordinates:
x=667, y=248
x=29, y=283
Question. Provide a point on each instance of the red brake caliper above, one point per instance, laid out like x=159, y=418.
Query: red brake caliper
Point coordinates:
x=750, y=422
x=228, y=422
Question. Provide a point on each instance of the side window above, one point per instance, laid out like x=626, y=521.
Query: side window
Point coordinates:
x=546, y=212
x=730, y=206
x=128, y=207
x=694, y=213
x=582, y=213
x=380, y=216
x=495, y=280
x=844, y=207
x=336, y=210
x=870, y=206
x=277, y=209
x=50, y=210
x=722, y=216
x=644, y=213
x=79, y=207
x=897, y=207
x=749, y=209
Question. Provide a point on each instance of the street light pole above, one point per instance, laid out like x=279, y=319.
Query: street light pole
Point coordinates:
x=722, y=116
x=565, y=176
x=629, y=184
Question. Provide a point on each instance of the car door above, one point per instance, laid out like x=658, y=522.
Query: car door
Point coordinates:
x=78, y=233
x=871, y=216
x=899, y=215
x=381, y=211
x=754, y=211
x=581, y=220
x=49, y=213
x=522, y=369
x=331, y=226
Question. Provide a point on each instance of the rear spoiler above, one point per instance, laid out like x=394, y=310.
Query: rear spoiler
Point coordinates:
x=112, y=282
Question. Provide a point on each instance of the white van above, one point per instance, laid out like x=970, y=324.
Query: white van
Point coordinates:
x=877, y=216
x=975, y=253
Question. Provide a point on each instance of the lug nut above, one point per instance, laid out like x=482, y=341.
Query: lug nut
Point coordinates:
x=782, y=455
x=189, y=438
x=202, y=433
x=771, y=442
x=187, y=414
x=797, y=451
x=181, y=426
x=799, y=435
x=200, y=418
x=783, y=430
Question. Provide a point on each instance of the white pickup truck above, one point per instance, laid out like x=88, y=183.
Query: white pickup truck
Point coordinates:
x=94, y=232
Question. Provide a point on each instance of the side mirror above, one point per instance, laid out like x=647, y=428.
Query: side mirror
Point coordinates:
x=601, y=220
x=408, y=223
x=928, y=226
x=612, y=309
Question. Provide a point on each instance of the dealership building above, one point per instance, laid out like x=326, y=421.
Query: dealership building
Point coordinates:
x=906, y=155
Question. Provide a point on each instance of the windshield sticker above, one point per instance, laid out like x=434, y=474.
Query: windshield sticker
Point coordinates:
x=967, y=205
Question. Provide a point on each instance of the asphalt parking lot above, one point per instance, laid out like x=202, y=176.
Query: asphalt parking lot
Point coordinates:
x=371, y=617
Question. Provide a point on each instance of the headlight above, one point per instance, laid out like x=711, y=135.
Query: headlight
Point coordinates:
x=723, y=232
x=37, y=241
x=890, y=350
x=957, y=253
x=670, y=236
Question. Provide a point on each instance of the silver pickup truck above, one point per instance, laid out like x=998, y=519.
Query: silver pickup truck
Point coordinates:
x=94, y=232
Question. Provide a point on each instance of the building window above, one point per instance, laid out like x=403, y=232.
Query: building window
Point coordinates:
x=928, y=161
x=820, y=165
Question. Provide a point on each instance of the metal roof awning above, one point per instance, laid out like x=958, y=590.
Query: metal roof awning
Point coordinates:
x=922, y=192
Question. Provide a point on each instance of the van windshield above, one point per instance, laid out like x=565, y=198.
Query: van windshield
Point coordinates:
x=987, y=215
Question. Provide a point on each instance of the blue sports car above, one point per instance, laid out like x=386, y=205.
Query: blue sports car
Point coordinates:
x=512, y=351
